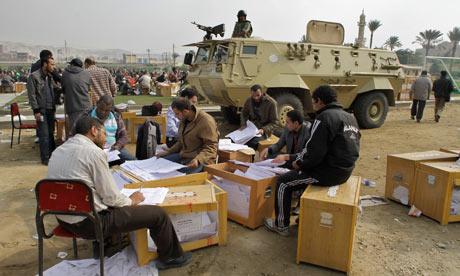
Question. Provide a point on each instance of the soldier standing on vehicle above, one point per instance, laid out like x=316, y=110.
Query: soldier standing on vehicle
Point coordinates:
x=243, y=27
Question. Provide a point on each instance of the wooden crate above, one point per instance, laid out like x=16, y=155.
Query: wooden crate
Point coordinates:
x=327, y=225
x=201, y=204
x=401, y=173
x=267, y=143
x=135, y=122
x=435, y=183
x=242, y=156
x=261, y=197
x=454, y=151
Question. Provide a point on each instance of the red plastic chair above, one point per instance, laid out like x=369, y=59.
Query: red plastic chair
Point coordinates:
x=14, y=111
x=65, y=197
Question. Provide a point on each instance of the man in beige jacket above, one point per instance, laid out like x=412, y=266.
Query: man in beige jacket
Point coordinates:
x=198, y=137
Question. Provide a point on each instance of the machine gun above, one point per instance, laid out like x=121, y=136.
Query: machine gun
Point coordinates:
x=216, y=30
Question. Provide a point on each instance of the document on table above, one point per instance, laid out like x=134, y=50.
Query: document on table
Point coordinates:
x=153, y=196
x=242, y=136
x=152, y=168
x=112, y=155
x=265, y=163
x=155, y=176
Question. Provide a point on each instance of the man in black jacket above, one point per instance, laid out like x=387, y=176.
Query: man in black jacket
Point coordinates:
x=442, y=88
x=327, y=159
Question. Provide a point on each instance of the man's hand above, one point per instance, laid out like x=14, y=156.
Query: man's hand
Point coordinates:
x=136, y=198
x=161, y=154
x=295, y=166
x=37, y=116
x=264, y=154
x=261, y=132
x=281, y=158
x=193, y=164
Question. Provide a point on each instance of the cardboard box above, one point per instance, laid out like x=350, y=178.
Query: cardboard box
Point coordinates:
x=454, y=151
x=209, y=198
x=436, y=182
x=400, y=178
x=327, y=225
x=251, y=200
x=136, y=121
x=242, y=156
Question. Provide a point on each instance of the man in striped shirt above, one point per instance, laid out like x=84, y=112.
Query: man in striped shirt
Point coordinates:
x=102, y=82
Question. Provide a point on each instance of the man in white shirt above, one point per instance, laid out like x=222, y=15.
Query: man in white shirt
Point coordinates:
x=82, y=158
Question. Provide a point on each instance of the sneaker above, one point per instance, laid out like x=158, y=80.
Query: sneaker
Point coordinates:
x=270, y=225
x=412, y=117
x=177, y=262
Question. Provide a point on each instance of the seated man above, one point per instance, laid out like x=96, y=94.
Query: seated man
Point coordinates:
x=82, y=158
x=116, y=134
x=260, y=109
x=294, y=137
x=198, y=137
x=172, y=122
x=327, y=159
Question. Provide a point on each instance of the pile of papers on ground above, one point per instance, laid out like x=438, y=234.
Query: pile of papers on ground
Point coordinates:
x=153, y=168
x=242, y=136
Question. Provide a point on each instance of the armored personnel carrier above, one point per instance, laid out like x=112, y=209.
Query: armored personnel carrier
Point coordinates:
x=366, y=80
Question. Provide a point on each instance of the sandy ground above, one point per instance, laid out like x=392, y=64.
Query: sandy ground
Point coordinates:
x=388, y=242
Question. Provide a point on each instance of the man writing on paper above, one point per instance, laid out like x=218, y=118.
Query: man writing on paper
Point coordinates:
x=198, y=138
x=294, y=137
x=82, y=158
x=116, y=134
x=327, y=159
x=260, y=109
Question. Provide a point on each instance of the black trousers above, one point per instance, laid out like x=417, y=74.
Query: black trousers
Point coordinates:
x=286, y=184
x=130, y=218
x=417, y=108
x=45, y=131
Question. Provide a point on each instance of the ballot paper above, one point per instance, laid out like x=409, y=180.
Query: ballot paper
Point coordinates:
x=242, y=136
x=145, y=176
x=153, y=196
x=265, y=163
x=256, y=172
x=120, y=179
x=152, y=168
x=112, y=155
x=226, y=144
x=237, y=196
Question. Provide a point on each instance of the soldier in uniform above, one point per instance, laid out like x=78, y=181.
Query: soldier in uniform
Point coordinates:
x=243, y=27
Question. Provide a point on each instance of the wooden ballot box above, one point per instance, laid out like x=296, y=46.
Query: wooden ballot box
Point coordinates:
x=249, y=200
x=240, y=155
x=438, y=191
x=207, y=197
x=449, y=150
x=327, y=224
x=400, y=178
x=136, y=121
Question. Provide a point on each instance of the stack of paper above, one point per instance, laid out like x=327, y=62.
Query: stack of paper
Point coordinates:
x=120, y=179
x=153, y=168
x=112, y=155
x=267, y=166
x=226, y=144
x=242, y=136
x=153, y=196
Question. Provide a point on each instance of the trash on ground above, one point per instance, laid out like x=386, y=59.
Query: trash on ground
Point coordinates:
x=368, y=182
x=414, y=211
x=62, y=255
x=372, y=200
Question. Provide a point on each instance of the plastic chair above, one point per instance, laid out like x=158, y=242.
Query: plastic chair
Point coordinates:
x=65, y=197
x=14, y=111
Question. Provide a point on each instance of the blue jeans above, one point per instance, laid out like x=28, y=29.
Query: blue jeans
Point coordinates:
x=125, y=155
x=45, y=130
x=175, y=157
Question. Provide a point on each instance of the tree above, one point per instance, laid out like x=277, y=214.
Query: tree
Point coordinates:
x=407, y=56
x=454, y=37
x=392, y=42
x=373, y=25
x=428, y=39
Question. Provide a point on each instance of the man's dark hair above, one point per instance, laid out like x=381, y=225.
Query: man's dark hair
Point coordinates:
x=188, y=93
x=444, y=73
x=45, y=59
x=181, y=104
x=295, y=116
x=424, y=73
x=90, y=61
x=256, y=87
x=325, y=93
x=45, y=53
x=85, y=123
x=106, y=100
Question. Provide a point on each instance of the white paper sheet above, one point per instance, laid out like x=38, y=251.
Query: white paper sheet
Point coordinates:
x=264, y=163
x=153, y=196
x=112, y=155
x=226, y=144
x=257, y=173
x=237, y=194
x=152, y=168
x=242, y=136
x=401, y=193
x=120, y=179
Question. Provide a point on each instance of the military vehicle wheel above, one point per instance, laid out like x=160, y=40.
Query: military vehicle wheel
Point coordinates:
x=287, y=102
x=371, y=110
x=230, y=114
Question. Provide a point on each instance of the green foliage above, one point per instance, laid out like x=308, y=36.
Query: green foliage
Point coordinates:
x=428, y=39
x=373, y=25
x=393, y=42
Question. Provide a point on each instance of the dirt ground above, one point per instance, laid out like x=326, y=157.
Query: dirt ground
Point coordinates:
x=388, y=241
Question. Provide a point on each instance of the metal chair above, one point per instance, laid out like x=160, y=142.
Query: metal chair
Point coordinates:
x=65, y=197
x=14, y=111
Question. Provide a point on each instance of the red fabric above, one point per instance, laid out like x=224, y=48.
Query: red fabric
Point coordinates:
x=61, y=232
x=64, y=196
x=27, y=126
x=14, y=109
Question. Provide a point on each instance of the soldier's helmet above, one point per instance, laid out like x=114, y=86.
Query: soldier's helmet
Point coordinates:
x=241, y=13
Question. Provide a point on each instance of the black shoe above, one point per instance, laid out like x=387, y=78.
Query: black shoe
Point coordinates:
x=412, y=117
x=436, y=118
x=418, y=120
x=177, y=262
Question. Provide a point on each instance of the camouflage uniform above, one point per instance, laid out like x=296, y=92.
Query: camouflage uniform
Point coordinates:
x=242, y=29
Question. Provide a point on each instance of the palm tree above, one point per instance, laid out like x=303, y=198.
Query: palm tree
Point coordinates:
x=393, y=42
x=428, y=39
x=454, y=37
x=373, y=25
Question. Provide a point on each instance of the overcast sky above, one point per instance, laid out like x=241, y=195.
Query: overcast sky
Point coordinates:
x=156, y=24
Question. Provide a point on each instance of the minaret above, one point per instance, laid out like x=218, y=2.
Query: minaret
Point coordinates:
x=362, y=26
